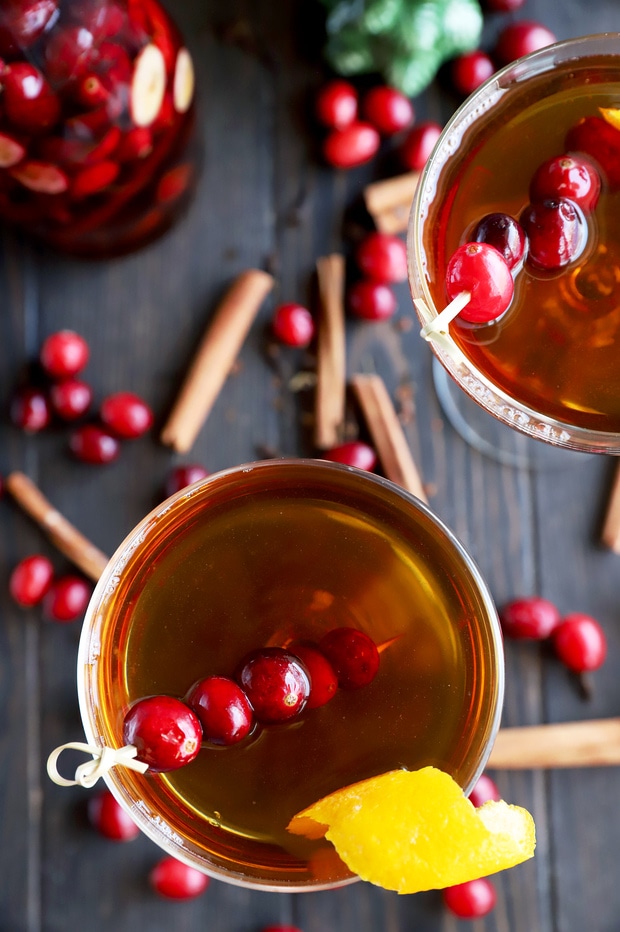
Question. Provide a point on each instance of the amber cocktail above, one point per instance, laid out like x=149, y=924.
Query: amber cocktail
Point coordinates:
x=548, y=365
x=275, y=554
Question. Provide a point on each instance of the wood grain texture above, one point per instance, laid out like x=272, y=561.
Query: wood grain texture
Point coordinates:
x=266, y=201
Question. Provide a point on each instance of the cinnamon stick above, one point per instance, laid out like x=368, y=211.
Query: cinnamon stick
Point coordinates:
x=389, y=202
x=60, y=531
x=611, y=525
x=215, y=357
x=573, y=744
x=331, y=385
x=387, y=434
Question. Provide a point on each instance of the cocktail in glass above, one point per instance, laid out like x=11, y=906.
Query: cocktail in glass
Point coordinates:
x=275, y=554
x=548, y=366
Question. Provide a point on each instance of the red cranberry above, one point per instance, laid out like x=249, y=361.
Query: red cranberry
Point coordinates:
x=177, y=881
x=64, y=354
x=353, y=655
x=354, y=453
x=126, y=415
x=503, y=232
x=336, y=104
x=67, y=598
x=92, y=444
x=94, y=178
x=69, y=53
x=485, y=789
x=418, y=145
x=182, y=476
x=567, y=176
x=103, y=20
x=580, y=642
x=110, y=819
x=276, y=684
x=323, y=679
x=382, y=257
x=29, y=101
x=293, y=324
x=471, y=900
x=23, y=22
x=482, y=271
x=31, y=579
x=520, y=38
x=71, y=398
x=388, y=109
x=223, y=709
x=371, y=300
x=556, y=232
x=470, y=70
x=30, y=409
x=354, y=145
x=533, y=618
x=165, y=731
x=598, y=139
x=504, y=6
x=281, y=929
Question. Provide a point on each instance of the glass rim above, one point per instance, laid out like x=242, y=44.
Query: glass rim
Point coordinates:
x=470, y=378
x=89, y=645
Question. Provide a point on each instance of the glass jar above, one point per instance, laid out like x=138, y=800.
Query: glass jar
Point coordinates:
x=96, y=113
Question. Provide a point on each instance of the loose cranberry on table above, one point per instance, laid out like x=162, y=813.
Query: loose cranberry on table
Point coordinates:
x=67, y=598
x=126, y=415
x=70, y=398
x=482, y=271
x=181, y=476
x=63, y=354
x=503, y=6
x=109, y=818
x=388, y=109
x=275, y=682
x=557, y=233
x=418, y=145
x=580, y=642
x=165, y=731
x=567, y=176
x=336, y=104
x=520, y=38
x=353, y=453
x=30, y=579
x=503, y=232
x=281, y=929
x=382, y=257
x=92, y=444
x=323, y=679
x=223, y=709
x=470, y=70
x=529, y=618
x=484, y=790
x=353, y=655
x=174, y=880
x=30, y=409
x=352, y=146
x=371, y=300
x=293, y=324
x=471, y=900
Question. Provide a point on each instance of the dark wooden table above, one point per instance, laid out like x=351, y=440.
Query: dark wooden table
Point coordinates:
x=266, y=200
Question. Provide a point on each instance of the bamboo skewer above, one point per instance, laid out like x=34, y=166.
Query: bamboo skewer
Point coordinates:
x=593, y=743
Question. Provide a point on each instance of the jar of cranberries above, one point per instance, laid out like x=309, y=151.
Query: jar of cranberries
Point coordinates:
x=96, y=117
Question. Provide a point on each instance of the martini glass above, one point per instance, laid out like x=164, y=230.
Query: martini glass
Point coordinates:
x=548, y=366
